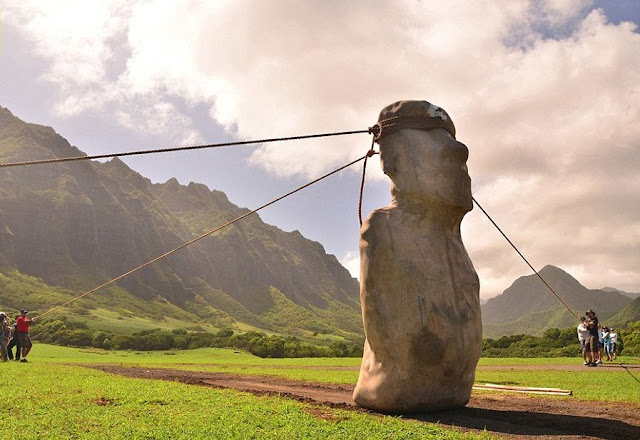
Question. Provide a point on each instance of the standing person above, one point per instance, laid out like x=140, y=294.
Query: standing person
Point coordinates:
x=5, y=329
x=600, y=343
x=22, y=325
x=583, y=336
x=613, y=336
x=15, y=341
x=606, y=341
x=592, y=342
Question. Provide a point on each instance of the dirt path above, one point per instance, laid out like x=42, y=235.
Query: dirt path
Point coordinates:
x=501, y=414
x=635, y=368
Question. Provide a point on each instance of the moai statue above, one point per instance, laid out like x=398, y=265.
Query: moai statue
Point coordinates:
x=419, y=290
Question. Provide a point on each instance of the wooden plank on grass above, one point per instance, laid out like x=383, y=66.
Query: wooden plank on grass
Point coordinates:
x=516, y=389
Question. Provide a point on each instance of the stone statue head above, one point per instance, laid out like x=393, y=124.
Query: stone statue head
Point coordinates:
x=426, y=164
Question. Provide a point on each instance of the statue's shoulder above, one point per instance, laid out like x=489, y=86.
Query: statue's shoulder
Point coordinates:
x=377, y=222
x=380, y=215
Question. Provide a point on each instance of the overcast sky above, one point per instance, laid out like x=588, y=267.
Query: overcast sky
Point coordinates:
x=546, y=95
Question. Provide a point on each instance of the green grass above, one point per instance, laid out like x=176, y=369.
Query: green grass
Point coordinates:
x=61, y=399
x=592, y=384
x=57, y=354
x=58, y=401
x=103, y=319
x=607, y=385
x=547, y=361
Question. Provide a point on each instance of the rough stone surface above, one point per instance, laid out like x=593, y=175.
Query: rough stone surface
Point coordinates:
x=419, y=290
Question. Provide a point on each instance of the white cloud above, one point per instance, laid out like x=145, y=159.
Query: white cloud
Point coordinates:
x=78, y=38
x=550, y=119
x=351, y=261
x=558, y=12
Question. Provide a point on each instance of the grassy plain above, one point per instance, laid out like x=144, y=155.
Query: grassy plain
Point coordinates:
x=61, y=399
x=604, y=384
x=67, y=401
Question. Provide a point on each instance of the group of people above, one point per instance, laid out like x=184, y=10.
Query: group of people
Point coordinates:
x=15, y=335
x=596, y=340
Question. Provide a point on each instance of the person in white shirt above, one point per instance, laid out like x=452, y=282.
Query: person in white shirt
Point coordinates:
x=583, y=336
x=613, y=335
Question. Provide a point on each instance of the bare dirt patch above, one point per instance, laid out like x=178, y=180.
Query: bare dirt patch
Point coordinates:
x=501, y=414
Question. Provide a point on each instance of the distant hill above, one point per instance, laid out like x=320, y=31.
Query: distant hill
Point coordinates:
x=631, y=313
x=73, y=226
x=528, y=307
x=632, y=295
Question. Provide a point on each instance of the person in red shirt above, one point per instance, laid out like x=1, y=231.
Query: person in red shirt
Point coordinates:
x=22, y=326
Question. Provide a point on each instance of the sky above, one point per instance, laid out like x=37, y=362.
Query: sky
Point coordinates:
x=545, y=94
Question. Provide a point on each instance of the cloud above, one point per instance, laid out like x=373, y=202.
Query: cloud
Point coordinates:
x=545, y=94
x=77, y=38
x=351, y=261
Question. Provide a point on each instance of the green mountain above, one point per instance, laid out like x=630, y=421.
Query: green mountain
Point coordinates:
x=631, y=313
x=632, y=295
x=66, y=228
x=528, y=307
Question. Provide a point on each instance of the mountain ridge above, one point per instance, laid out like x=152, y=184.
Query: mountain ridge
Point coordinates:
x=77, y=224
x=528, y=307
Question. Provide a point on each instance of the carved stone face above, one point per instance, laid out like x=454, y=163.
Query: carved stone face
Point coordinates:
x=427, y=167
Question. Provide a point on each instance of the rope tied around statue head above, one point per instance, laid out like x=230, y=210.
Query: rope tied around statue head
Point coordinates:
x=393, y=124
x=417, y=115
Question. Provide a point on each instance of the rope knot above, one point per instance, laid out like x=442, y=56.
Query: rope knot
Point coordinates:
x=375, y=130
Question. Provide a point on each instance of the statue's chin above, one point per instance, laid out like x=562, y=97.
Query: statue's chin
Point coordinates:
x=461, y=203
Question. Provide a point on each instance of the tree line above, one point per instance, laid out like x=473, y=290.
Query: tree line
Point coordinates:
x=556, y=343
x=67, y=332
x=553, y=343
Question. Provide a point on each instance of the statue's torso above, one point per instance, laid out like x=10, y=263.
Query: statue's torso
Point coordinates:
x=419, y=295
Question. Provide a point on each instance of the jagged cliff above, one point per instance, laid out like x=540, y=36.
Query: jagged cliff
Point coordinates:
x=78, y=224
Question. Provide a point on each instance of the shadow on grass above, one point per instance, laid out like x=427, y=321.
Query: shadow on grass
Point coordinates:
x=531, y=423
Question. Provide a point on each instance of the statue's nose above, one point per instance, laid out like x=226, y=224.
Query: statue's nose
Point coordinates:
x=456, y=151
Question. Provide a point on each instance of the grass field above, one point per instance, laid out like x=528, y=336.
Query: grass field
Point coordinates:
x=610, y=385
x=63, y=400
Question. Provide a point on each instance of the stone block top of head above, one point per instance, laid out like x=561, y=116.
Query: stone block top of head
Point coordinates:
x=420, y=115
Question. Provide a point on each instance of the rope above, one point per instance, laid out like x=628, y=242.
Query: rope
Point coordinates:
x=364, y=170
x=525, y=260
x=229, y=223
x=187, y=148
x=630, y=373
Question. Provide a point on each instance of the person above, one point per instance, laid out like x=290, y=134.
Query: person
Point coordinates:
x=600, y=343
x=583, y=336
x=15, y=341
x=5, y=329
x=613, y=336
x=22, y=325
x=606, y=342
x=592, y=342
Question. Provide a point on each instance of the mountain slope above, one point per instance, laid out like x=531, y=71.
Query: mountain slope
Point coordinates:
x=632, y=295
x=528, y=307
x=78, y=224
x=631, y=313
